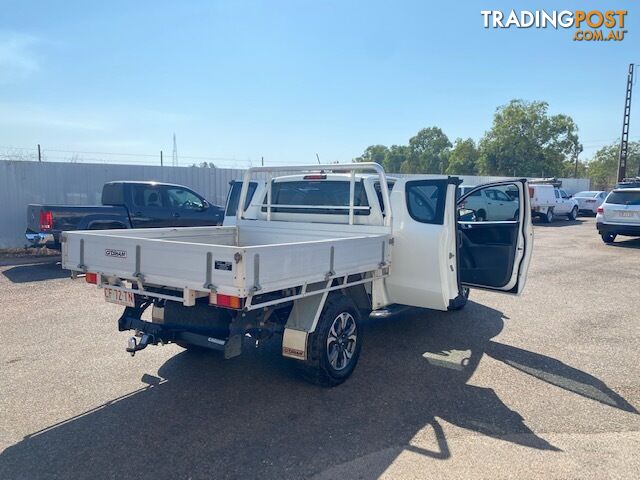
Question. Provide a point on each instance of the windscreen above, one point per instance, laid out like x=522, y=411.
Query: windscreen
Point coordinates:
x=624, y=198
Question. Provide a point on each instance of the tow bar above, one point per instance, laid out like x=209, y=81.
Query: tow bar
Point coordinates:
x=133, y=346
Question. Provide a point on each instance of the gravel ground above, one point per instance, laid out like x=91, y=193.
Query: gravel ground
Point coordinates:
x=541, y=386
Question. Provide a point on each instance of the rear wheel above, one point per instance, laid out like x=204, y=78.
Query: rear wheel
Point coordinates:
x=608, y=237
x=574, y=213
x=548, y=218
x=334, y=347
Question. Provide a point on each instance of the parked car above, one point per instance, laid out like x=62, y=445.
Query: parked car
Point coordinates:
x=633, y=182
x=589, y=201
x=306, y=258
x=124, y=205
x=548, y=201
x=619, y=214
x=491, y=203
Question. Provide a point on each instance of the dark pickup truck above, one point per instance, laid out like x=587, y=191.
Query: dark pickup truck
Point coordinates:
x=124, y=205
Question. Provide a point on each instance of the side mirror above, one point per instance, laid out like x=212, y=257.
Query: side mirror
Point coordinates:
x=205, y=205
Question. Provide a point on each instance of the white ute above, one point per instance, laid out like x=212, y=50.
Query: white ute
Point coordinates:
x=307, y=256
x=548, y=201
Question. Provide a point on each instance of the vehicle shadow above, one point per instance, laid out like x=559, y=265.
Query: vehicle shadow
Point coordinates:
x=630, y=243
x=253, y=416
x=558, y=222
x=35, y=272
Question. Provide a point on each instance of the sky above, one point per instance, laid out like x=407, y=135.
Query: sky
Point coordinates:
x=240, y=80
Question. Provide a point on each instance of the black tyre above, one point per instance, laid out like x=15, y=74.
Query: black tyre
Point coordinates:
x=548, y=217
x=334, y=347
x=574, y=213
x=460, y=304
x=608, y=237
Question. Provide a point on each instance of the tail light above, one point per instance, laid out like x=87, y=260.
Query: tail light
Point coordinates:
x=600, y=210
x=530, y=192
x=91, y=278
x=46, y=220
x=226, y=301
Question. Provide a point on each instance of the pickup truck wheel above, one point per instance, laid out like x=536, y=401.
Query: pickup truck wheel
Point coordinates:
x=608, y=237
x=464, y=291
x=334, y=347
x=548, y=218
x=574, y=213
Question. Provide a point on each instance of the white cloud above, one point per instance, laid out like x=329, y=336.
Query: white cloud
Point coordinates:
x=17, y=56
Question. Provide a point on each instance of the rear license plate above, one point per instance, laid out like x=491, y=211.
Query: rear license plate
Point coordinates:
x=118, y=296
x=627, y=214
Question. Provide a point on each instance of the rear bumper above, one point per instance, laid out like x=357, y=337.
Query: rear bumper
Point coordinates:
x=586, y=209
x=159, y=333
x=40, y=239
x=628, y=230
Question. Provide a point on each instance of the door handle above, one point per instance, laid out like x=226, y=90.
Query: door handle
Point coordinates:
x=137, y=214
x=176, y=215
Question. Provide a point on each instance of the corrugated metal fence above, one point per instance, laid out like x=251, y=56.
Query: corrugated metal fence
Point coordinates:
x=22, y=183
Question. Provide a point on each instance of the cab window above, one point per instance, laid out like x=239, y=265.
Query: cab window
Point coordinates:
x=426, y=200
x=324, y=193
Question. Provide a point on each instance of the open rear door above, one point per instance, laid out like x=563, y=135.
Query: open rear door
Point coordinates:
x=495, y=236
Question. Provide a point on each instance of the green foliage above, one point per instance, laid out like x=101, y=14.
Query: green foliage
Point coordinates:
x=373, y=153
x=603, y=167
x=428, y=152
x=463, y=158
x=525, y=140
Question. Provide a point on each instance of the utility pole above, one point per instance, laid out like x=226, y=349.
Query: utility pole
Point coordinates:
x=161, y=163
x=39, y=154
x=262, y=161
x=624, y=139
x=174, y=155
x=318, y=157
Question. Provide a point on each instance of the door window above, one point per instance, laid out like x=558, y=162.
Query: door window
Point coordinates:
x=184, y=199
x=557, y=193
x=147, y=196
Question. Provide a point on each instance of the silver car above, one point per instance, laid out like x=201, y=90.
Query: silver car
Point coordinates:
x=589, y=201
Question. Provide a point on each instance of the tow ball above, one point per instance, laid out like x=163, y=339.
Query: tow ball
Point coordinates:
x=133, y=346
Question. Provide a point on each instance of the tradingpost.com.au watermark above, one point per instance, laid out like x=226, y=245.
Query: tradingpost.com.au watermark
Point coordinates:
x=593, y=25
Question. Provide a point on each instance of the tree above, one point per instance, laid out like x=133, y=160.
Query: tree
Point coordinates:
x=525, y=140
x=428, y=152
x=603, y=167
x=395, y=157
x=373, y=153
x=463, y=158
